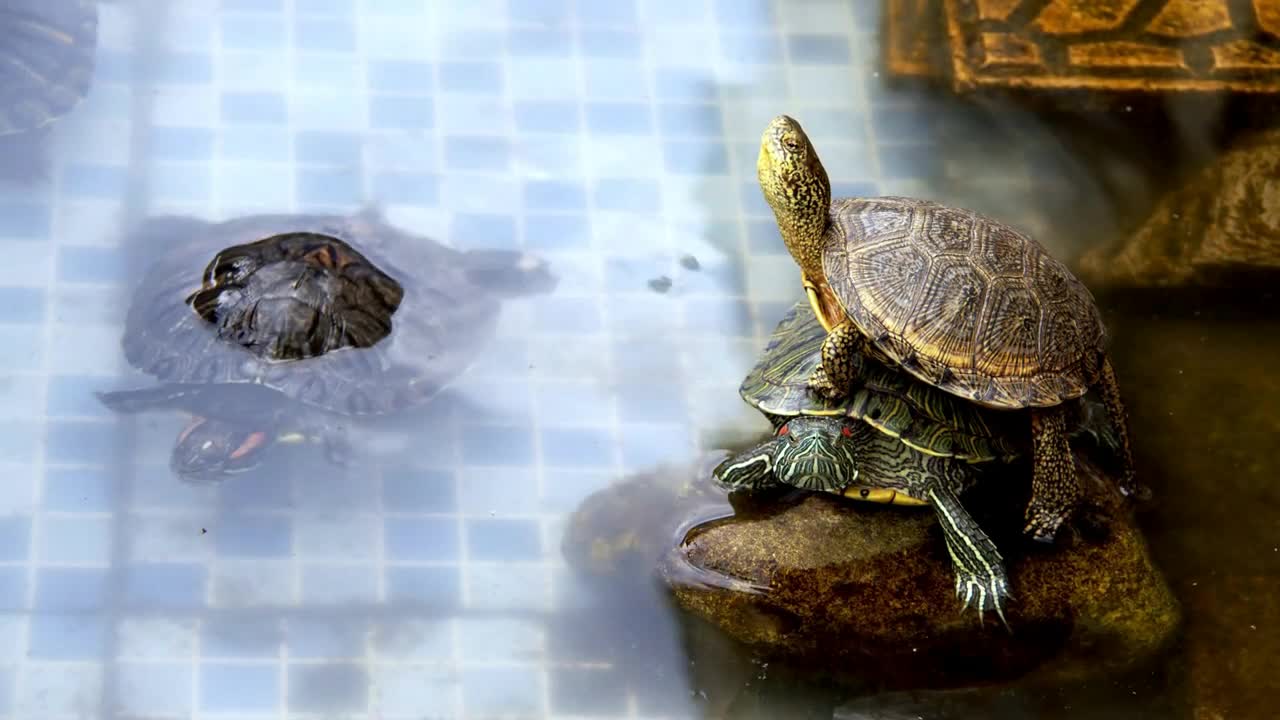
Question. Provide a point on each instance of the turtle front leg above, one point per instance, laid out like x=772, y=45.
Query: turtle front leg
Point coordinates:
x=981, y=579
x=1055, y=489
x=751, y=469
x=834, y=377
x=1120, y=422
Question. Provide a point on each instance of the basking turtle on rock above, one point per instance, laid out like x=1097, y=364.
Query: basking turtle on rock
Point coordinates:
x=960, y=301
x=276, y=327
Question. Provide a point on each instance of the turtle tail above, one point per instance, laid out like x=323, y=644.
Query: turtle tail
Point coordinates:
x=510, y=273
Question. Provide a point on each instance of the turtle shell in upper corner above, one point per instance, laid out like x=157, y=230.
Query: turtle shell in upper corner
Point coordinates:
x=47, y=54
x=921, y=416
x=1116, y=45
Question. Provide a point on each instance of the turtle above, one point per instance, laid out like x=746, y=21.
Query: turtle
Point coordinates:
x=956, y=298
x=48, y=52
x=274, y=327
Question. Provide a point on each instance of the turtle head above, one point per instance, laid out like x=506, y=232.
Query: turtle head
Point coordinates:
x=797, y=188
x=814, y=453
x=208, y=448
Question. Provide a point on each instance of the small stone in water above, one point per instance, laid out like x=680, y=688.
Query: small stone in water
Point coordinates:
x=690, y=262
x=661, y=284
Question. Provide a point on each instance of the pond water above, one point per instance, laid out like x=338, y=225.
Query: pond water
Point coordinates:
x=617, y=140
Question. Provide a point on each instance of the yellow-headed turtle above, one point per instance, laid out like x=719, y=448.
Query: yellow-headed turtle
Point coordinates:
x=959, y=300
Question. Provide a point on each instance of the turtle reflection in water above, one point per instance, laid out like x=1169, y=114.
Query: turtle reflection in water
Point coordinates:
x=298, y=321
x=47, y=55
x=892, y=440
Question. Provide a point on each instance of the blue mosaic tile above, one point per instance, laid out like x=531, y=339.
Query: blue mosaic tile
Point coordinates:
x=475, y=230
x=614, y=12
x=502, y=691
x=71, y=441
x=153, y=689
x=507, y=586
x=688, y=84
x=644, y=446
x=853, y=189
x=588, y=691
x=539, y=11
x=185, y=68
x=818, y=49
x=753, y=202
x=324, y=7
x=327, y=72
x=390, y=112
x=113, y=66
x=66, y=637
x=75, y=539
x=167, y=585
x=435, y=587
x=618, y=118
x=478, y=77
x=254, y=108
x=253, y=184
x=548, y=116
x=557, y=232
x=503, y=540
x=7, y=679
x=13, y=588
x=239, y=688
x=258, y=144
x=329, y=583
x=723, y=316
x=182, y=143
x=565, y=488
x=325, y=637
x=329, y=688
x=582, y=403
x=420, y=491
x=695, y=158
x=400, y=76
x=240, y=637
x=576, y=447
x=675, y=12
x=327, y=35
x=629, y=195
x=77, y=490
x=642, y=404
x=473, y=43
x=329, y=187
x=698, y=120
x=554, y=195
x=543, y=42
x=421, y=539
x=253, y=536
x=750, y=48
x=70, y=588
x=500, y=491
x=566, y=315
x=743, y=13
x=186, y=183
x=477, y=153
x=899, y=162
x=95, y=181
x=904, y=124
x=616, y=79
x=25, y=220
x=256, y=32
x=481, y=446
x=320, y=147
x=610, y=44
x=15, y=538
x=409, y=188
x=22, y=305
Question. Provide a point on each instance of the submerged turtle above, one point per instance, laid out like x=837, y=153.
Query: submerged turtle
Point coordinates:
x=959, y=300
x=47, y=56
x=271, y=327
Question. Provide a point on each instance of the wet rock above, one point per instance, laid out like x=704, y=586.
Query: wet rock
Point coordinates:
x=865, y=592
x=1223, y=223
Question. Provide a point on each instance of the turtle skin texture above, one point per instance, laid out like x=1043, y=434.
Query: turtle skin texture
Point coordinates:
x=47, y=56
x=959, y=300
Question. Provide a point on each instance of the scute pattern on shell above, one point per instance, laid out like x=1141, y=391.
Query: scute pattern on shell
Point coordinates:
x=440, y=327
x=47, y=55
x=921, y=416
x=964, y=302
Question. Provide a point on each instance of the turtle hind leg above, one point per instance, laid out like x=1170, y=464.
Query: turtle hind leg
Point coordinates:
x=981, y=578
x=1119, y=418
x=1055, y=489
x=749, y=470
x=841, y=350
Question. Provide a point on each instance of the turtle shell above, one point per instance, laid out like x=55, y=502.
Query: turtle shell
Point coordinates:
x=964, y=302
x=347, y=314
x=47, y=54
x=921, y=416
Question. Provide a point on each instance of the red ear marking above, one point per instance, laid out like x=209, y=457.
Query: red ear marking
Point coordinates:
x=190, y=428
x=251, y=442
x=784, y=430
x=845, y=431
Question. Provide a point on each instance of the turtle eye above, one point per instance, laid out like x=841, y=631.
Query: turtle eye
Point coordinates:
x=791, y=143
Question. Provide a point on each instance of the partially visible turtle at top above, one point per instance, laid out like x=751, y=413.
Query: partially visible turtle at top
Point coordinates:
x=893, y=440
x=959, y=300
x=47, y=55
x=271, y=327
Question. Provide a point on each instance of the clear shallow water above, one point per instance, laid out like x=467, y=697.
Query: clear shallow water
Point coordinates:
x=611, y=137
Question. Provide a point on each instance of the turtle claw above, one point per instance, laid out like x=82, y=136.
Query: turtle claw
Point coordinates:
x=988, y=592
